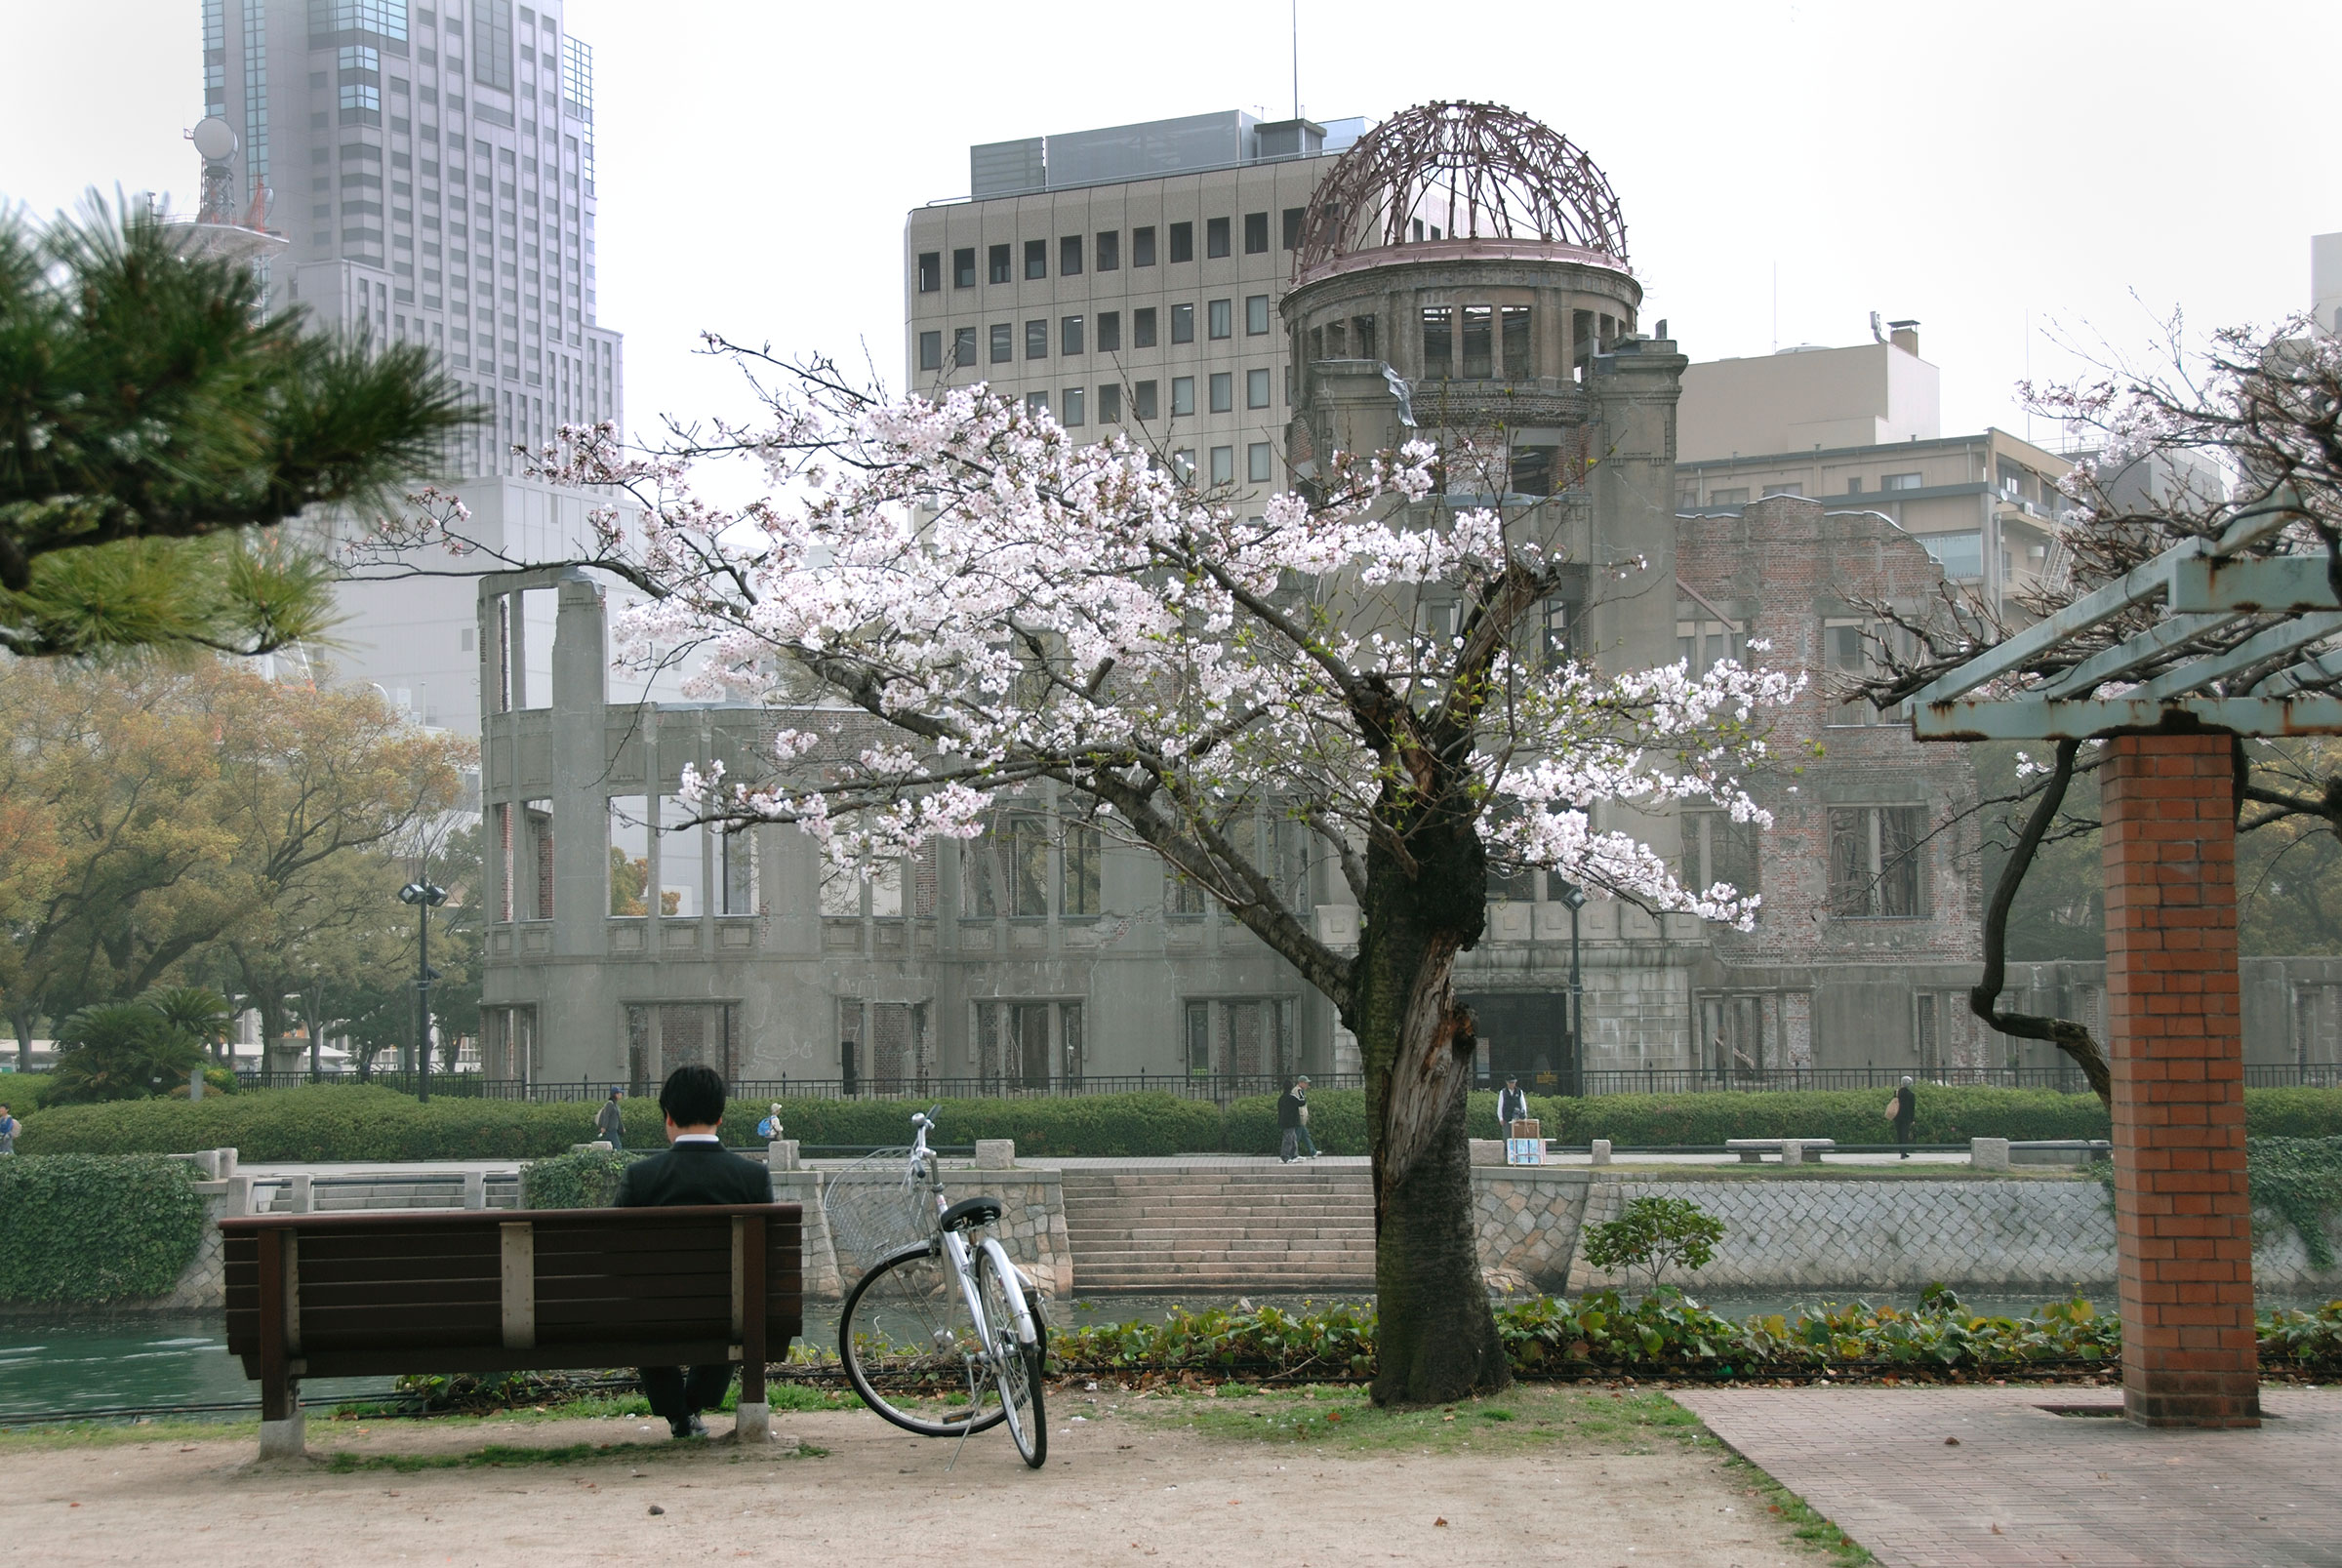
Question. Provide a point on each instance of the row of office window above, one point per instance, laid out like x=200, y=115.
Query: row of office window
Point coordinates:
x=1073, y=407
x=1103, y=251
x=1074, y=333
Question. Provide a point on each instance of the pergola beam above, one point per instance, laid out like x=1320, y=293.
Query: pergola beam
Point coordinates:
x=2037, y=718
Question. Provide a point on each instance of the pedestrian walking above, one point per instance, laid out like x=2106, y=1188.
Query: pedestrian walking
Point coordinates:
x=8, y=1130
x=611, y=1122
x=768, y=1129
x=1308, y=1144
x=1905, y=1108
x=1292, y=1115
x=1511, y=1105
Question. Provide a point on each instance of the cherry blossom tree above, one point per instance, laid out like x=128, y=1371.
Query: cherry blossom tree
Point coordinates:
x=998, y=607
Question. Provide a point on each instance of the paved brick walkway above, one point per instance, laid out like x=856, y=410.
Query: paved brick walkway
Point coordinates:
x=2024, y=1486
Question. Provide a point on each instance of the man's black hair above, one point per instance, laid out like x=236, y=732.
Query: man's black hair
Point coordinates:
x=693, y=1096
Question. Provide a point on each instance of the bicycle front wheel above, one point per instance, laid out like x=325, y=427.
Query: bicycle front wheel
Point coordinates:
x=1016, y=1360
x=910, y=1350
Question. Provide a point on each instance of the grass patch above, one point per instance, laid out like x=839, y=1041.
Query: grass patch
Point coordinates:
x=1344, y=1420
x=504, y=1456
x=1810, y=1528
x=126, y=1434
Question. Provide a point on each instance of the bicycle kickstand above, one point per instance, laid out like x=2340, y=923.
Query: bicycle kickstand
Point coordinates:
x=970, y=1363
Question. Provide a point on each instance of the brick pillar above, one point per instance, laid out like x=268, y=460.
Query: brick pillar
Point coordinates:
x=2183, y=1215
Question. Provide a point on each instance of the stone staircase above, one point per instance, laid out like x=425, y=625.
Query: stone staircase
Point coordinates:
x=1265, y=1229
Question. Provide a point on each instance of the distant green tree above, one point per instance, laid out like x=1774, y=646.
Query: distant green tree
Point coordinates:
x=153, y=419
x=120, y=1051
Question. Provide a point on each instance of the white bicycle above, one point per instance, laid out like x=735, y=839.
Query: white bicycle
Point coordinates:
x=941, y=1336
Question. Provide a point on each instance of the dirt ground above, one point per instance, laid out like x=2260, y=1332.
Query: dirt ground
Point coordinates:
x=1175, y=1479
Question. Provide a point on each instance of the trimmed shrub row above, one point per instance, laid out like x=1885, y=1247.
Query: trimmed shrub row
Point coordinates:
x=368, y=1122
x=93, y=1229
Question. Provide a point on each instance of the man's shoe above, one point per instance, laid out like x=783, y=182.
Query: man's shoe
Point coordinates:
x=691, y=1426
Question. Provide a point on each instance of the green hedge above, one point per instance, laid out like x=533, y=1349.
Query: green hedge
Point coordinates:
x=367, y=1122
x=93, y=1229
x=585, y=1179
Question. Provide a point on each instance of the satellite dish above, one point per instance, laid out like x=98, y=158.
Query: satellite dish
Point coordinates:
x=214, y=138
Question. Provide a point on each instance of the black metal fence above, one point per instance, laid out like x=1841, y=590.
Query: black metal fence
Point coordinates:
x=1222, y=1087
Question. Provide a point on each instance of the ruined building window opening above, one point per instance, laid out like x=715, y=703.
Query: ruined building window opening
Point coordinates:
x=1851, y=651
x=1703, y=644
x=886, y=890
x=902, y=1054
x=1438, y=341
x=1480, y=342
x=1529, y=470
x=1877, y=870
x=1196, y=1038
x=1183, y=900
x=683, y=859
x=503, y=854
x=1079, y=884
x=1513, y=319
x=663, y=1037
x=924, y=880
x=1717, y=849
x=535, y=899
x=509, y=1044
x=840, y=897
x=629, y=855
x=1927, y=1027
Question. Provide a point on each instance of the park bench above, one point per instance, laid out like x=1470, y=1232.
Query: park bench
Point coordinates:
x=371, y=1294
x=1752, y=1151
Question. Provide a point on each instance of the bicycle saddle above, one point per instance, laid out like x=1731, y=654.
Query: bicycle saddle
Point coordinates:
x=968, y=1213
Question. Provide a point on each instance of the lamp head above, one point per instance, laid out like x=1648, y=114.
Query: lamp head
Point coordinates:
x=422, y=893
x=1573, y=895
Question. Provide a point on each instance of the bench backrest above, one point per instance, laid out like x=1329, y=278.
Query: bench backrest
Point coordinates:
x=474, y=1286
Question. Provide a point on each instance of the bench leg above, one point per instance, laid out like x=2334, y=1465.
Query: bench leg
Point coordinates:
x=1751, y=1156
x=752, y=1422
x=283, y=1439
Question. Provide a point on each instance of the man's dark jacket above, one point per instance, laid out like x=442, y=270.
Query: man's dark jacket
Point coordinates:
x=1288, y=1109
x=694, y=1173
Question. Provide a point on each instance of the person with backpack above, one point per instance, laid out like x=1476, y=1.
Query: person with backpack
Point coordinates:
x=9, y=1126
x=768, y=1129
x=610, y=1122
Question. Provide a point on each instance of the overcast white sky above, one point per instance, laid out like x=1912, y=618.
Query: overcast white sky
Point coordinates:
x=2086, y=167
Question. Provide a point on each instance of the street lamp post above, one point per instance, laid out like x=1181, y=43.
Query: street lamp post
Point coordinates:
x=424, y=896
x=1575, y=897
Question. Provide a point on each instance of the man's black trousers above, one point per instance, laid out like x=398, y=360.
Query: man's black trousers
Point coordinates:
x=678, y=1394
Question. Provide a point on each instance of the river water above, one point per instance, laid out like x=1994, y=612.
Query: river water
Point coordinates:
x=83, y=1360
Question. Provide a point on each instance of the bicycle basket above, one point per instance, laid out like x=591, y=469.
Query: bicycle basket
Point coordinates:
x=873, y=1211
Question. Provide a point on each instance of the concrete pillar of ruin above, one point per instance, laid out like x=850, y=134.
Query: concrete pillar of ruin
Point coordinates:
x=2183, y=1214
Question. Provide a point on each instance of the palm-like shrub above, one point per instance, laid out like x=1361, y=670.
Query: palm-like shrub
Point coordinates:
x=120, y=1051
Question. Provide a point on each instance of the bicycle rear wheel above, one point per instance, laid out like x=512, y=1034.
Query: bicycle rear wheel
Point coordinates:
x=1016, y=1360
x=907, y=1343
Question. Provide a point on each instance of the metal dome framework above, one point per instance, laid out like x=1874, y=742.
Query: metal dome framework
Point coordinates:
x=1471, y=171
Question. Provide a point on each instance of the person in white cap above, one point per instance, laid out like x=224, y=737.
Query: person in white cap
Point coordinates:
x=768, y=1129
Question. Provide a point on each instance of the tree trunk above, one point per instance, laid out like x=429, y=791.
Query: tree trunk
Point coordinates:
x=1436, y=1338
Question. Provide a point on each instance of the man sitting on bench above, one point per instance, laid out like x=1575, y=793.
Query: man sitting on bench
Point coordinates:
x=698, y=1169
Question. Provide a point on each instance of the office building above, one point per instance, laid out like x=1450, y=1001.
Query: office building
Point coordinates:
x=431, y=171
